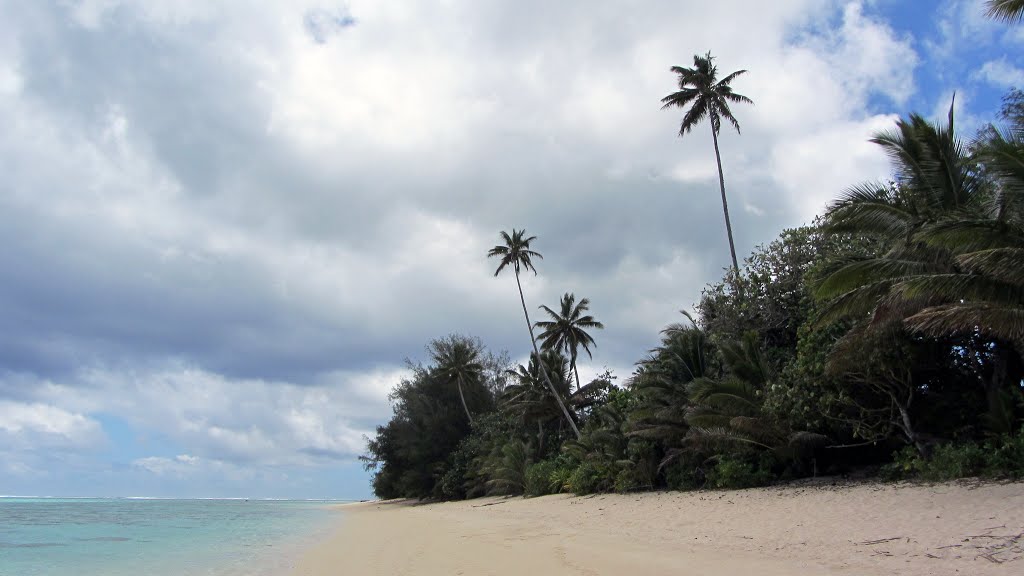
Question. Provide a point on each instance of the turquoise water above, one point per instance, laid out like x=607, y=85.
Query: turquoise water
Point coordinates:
x=133, y=537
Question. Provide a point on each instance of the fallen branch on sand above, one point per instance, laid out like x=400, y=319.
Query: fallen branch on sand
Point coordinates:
x=873, y=542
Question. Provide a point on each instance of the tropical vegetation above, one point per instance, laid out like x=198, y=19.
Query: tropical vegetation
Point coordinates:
x=884, y=338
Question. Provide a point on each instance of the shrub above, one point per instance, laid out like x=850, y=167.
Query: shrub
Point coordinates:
x=589, y=478
x=1004, y=456
x=507, y=468
x=539, y=478
x=561, y=477
x=951, y=461
x=685, y=474
x=732, y=471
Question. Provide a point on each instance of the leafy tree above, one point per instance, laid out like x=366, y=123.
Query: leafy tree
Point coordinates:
x=412, y=452
x=729, y=409
x=567, y=329
x=703, y=95
x=775, y=284
x=515, y=252
x=458, y=359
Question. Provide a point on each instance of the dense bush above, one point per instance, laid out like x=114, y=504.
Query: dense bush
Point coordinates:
x=589, y=477
x=539, y=478
x=733, y=471
x=1000, y=457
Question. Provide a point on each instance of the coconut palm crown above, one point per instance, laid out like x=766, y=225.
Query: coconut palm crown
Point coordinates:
x=567, y=329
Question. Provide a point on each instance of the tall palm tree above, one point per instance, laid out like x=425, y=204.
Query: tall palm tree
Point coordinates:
x=515, y=252
x=566, y=331
x=704, y=96
x=1007, y=10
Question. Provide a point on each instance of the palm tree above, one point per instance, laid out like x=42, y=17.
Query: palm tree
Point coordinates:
x=730, y=409
x=987, y=296
x=936, y=180
x=566, y=331
x=1007, y=10
x=660, y=383
x=515, y=252
x=956, y=249
x=704, y=96
x=458, y=359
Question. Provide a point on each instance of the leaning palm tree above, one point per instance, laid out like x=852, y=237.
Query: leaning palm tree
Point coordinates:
x=566, y=331
x=515, y=252
x=1007, y=10
x=704, y=96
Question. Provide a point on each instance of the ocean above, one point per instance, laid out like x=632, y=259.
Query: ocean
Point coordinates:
x=156, y=537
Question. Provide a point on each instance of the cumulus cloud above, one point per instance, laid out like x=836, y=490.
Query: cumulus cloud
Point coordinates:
x=35, y=424
x=1001, y=73
x=181, y=465
x=228, y=227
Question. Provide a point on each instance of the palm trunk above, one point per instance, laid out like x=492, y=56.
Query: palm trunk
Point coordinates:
x=463, y=398
x=725, y=205
x=540, y=437
x=540, y=361
x=572, y=364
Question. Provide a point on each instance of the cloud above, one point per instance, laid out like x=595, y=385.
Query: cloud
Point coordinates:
x=181, y=465
x=228, y=227
x=34, y=424
x=962, y=26
x=1001, y=73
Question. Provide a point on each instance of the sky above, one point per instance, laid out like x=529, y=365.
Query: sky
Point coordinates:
x=224, y=230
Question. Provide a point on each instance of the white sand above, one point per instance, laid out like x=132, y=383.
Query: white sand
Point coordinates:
x=858, y=529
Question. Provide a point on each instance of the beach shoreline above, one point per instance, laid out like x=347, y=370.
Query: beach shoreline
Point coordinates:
x=814, y=528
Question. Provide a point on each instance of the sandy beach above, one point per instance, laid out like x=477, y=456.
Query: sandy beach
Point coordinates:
x=863, y=529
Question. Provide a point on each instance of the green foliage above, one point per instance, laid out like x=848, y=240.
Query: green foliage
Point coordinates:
x=411, y=454
x=948, y=462
x=561, y=476
x=1006, y=10
x=998, y=457
x=541, y=478
x=467, y=476
x=687, y=472
x=733, y=471
x=1004, y=456
x=591, y=477
x=508, y=470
